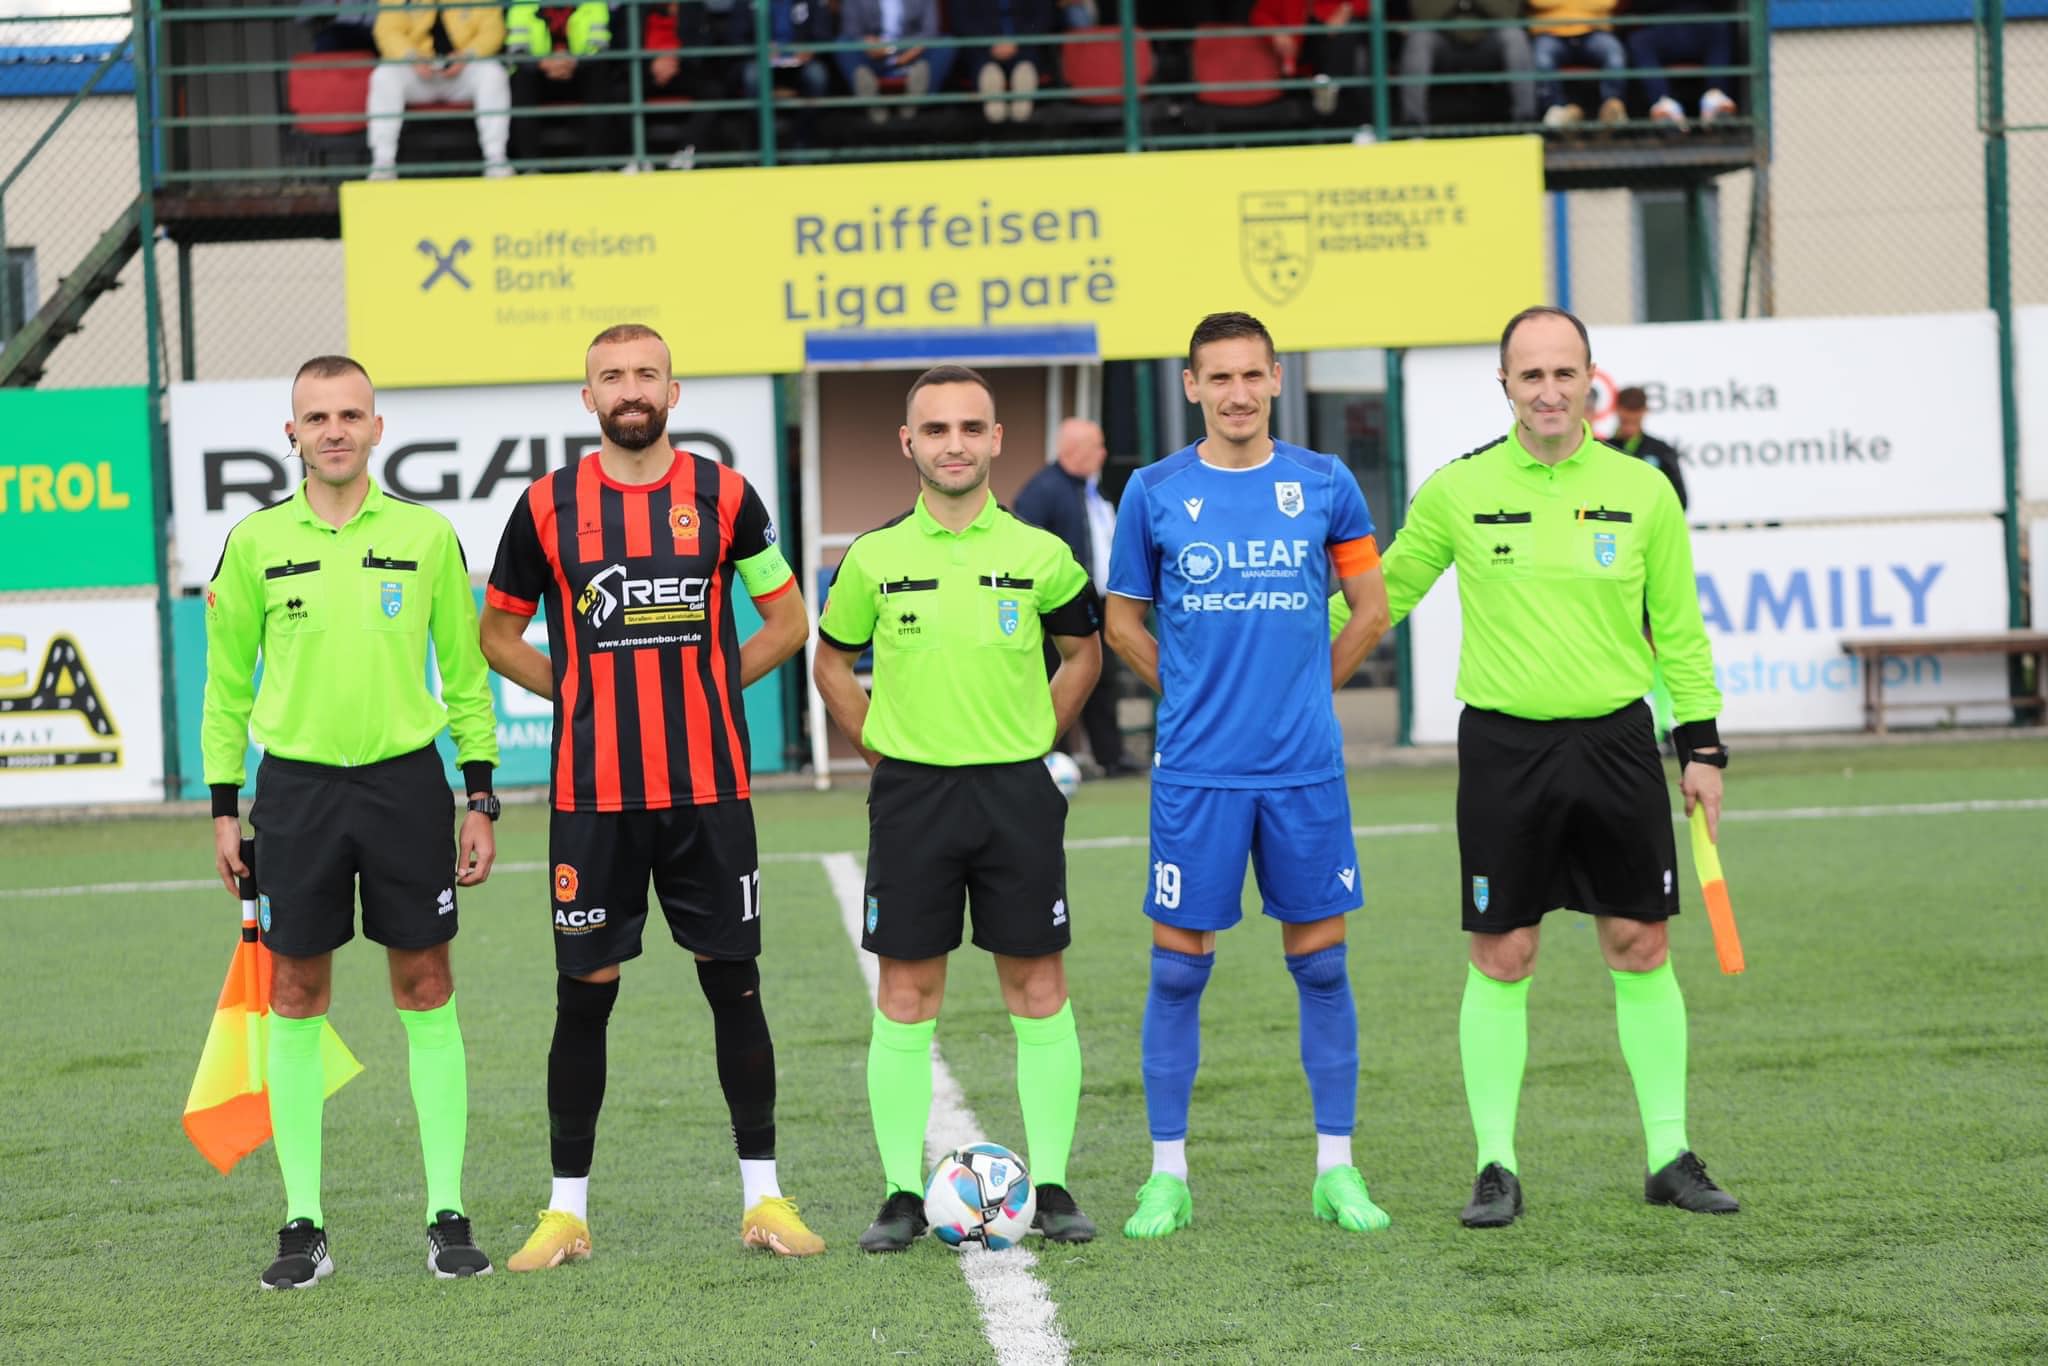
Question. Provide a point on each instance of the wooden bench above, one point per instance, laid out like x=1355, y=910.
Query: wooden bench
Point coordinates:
x=1872, y=651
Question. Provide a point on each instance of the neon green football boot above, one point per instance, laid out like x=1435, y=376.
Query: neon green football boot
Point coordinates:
x=1341, y=1199
x=1164, y=1208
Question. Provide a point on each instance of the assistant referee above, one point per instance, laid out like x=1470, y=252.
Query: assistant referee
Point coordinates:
x=955, y=598
x=1560, y=543
x=340, y=589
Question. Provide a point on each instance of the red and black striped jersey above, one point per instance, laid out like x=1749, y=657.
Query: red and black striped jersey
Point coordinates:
x=637, y=582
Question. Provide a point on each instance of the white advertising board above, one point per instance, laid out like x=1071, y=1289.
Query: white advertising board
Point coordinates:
x=469, y=453
x=1774, y=419
x=81, y=709
x=2030, y=378
x=1778, y=602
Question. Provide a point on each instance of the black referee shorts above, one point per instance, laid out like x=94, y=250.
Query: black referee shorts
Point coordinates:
x=1572, y=814
x=940, y=840
x=320, y=831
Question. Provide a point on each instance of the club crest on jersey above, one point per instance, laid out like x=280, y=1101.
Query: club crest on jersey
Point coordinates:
x=682, y=522
x=565, y=882
x=394, y=598
x=1006, y=616
x=1481, y=894
x=1287, y=493
x=1603, y=548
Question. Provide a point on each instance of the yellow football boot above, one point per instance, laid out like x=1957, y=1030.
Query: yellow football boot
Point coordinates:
x=561, y=1237
x=773, y=1224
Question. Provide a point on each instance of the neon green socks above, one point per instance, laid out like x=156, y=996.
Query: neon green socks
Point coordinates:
x=1649, y=1015
x=1493, y=1040
x=900, y=1097
x=1048, y=1090
x=440, y=1095
x=298, y=1093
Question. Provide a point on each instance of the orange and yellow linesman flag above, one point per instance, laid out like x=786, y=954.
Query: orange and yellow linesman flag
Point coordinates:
x=227, y=1115
x=1706, y=861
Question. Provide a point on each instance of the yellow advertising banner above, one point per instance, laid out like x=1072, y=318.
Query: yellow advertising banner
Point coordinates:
x=1419, y=243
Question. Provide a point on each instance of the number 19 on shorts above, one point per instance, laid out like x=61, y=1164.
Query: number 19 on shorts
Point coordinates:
x=1165, y=885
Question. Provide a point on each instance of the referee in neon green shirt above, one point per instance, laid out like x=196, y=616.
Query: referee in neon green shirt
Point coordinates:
x=340, y=589
x=1560, y=544
x=955, y=597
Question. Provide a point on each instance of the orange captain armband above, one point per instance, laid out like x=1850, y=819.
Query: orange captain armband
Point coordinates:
x=1353, y=558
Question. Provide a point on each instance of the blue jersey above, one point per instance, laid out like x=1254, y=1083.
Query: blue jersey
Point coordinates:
x=1237, y=566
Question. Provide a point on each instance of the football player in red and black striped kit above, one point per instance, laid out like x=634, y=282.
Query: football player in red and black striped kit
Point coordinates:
x=634, y=553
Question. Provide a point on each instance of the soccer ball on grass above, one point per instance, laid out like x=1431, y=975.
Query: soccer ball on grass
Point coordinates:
x=980, y=1194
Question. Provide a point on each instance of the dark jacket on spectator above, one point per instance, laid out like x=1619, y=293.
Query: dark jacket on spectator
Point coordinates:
x=1057, y=502
x=1660, y=455
x=998, y=19
x=860, y=18
x=789, y=21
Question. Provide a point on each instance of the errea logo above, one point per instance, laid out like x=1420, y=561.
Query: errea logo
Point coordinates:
x=578, y=922
x=444, y=904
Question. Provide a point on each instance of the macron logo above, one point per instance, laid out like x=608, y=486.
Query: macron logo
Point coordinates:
x=1194, y=507
x=1348, y=876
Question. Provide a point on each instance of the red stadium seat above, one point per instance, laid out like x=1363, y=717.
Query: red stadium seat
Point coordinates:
x=1228, y=58
x=326, y=93
x=1101, y=63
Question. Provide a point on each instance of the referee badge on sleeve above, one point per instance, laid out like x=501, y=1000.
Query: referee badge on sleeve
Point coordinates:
x=1481, y=894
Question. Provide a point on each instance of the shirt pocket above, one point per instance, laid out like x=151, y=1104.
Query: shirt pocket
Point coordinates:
x=1008, y=608
x=391, y=593
x=1498, y=546
x=1604, y=545
x=912, y=615
x=294, y=599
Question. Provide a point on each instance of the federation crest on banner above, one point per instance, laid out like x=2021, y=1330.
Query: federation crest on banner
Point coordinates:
x=1006, y=616
x=1481, y=894
x=1603, y=548
x=1273, y=242
x=394, y=598
x=1287, y=495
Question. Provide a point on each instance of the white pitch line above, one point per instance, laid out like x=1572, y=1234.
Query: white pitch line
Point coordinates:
x=1017, y=1316
x=1976, y=807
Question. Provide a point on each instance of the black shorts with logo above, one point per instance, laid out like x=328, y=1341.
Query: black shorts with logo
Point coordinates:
x=701, y=860
x=1573, y=813
x=941, y=840
x=321, y=830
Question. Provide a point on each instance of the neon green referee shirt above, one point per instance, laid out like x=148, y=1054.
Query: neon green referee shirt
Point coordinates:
x=957, y=621
x=341, y=618
x=1556, y=567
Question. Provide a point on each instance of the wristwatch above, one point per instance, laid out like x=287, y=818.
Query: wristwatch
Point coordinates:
x=488, y=804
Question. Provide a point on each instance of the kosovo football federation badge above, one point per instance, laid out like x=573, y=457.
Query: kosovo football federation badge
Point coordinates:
x=874, y=913
x=263, y=913
x=1603, y=548
x=1287, y=494
x=1274, y=242
x=1481, y=894
x=1006, y=616
x=394, y=598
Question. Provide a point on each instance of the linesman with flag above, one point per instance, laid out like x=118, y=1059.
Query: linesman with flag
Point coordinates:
x=1562, y=544
x=340, y=589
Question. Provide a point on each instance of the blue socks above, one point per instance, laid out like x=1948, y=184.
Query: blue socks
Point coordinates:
x=1329, y=1036
x=1171, y=1042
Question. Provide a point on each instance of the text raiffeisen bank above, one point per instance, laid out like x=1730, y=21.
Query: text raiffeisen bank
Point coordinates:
x=546, y=262
x=993, y=293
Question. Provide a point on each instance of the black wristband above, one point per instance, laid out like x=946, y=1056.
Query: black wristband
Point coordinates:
x=226, y=799
x=1691, y=735
x=476, y=776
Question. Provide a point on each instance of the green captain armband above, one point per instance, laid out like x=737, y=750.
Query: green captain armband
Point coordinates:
x=765, y=573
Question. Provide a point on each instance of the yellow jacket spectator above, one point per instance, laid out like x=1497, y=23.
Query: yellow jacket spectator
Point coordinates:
x=533, y=30
x=1564, y=18
x=473, y=30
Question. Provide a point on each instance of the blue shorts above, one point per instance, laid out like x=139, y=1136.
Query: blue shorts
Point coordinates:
x=1298, y=838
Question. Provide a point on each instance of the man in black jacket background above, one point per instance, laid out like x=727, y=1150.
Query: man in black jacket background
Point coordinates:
x=1066, y=499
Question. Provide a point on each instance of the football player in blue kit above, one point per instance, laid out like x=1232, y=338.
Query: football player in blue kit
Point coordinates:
x=1233, y=543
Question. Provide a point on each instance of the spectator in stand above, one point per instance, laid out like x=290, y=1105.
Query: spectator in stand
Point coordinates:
x=1709, y=41
x=1006, y=72
x=1505, y=49
x=439, y=55
x=1629, y=406
x=805, y=74
x=340, y=26
x=1576, y=33
x=894, y=31
x=1066, y=499
x=1330, y=54
x=550, y=48
x=669, y=31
